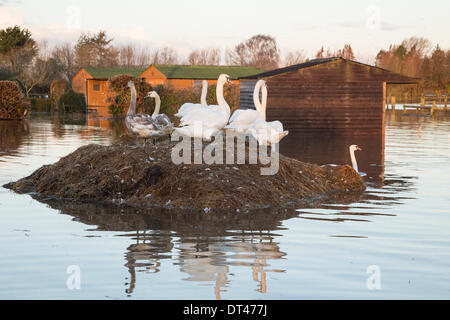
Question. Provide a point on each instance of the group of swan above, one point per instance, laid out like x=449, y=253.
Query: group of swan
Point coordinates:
x=144, y=125
x=254, y=121
x=203, y=121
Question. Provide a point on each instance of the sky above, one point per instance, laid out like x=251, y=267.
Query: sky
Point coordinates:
x=185, y=25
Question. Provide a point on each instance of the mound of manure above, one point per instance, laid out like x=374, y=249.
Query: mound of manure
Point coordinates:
x=145, y=176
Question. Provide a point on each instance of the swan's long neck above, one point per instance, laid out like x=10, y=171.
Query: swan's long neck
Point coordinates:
x=132, y=109
x=220, y=99
x=264, y=101
x=157, y=105
x=354, y=163
x=204, y=93
x=256, y=100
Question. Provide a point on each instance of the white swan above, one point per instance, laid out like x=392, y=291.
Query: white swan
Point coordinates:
x=205, y=123
x=189, y=107
x=352, y=149
x=161, y=120
x=141, y=125
x=267, y=133
x=241, y=121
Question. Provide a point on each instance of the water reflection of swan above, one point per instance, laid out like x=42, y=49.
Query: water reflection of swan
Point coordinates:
x=146, y=254
x=204, y=264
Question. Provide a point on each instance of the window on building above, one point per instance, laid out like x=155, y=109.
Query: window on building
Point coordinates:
x=96, y=87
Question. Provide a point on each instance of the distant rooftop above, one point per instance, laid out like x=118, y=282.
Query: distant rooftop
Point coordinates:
x=294, y=67
x=106, y=73
x=205, y=72
x=177, y=71
x=400, y=79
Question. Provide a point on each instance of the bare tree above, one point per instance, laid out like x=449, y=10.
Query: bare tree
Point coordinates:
x=64, y=56
x=127, y=56
x=143, y=58
x=204, y=57
x=165, y=56
x=259, y=51
x=321, y=54
x=346, y=52
x=294, y=57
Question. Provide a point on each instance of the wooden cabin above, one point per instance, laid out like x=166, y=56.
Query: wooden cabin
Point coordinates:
x=332, y=95
x=93, y=82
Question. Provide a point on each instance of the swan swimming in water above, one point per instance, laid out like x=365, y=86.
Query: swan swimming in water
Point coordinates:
x=352, y=149
x=189, y=107
x=241, y=121
x=267, y=133
x=161, y=120
x=204, y=123
x=142, y=125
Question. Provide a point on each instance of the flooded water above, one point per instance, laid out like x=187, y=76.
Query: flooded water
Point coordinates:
x=391, y=243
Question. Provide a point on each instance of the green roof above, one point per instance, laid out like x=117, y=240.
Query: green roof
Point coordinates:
x=178, y=71
x=106, y=73
x=205, y=72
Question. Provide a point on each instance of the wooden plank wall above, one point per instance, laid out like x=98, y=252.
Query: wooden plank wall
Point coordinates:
x=337, y=108
x=337, y=98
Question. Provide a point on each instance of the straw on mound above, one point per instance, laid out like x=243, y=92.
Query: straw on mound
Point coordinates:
x=145, y=177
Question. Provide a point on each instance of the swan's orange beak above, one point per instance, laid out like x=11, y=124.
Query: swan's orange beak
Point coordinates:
x=359, y=149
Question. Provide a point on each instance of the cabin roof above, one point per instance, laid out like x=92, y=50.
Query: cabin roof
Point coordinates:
x=205, y=72
x=399, y=79
x=106, y=73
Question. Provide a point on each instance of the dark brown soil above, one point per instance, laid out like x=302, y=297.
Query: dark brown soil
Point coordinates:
x=127, y=173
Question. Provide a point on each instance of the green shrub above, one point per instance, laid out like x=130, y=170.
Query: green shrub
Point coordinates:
x=12, y=103
x=172, y=100
x=120, y=102
x=72, y=102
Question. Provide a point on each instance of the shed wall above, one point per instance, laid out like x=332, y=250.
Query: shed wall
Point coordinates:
x=337, y=97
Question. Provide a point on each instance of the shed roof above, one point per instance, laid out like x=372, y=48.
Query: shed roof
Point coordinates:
x=106, y=73
x=396, y=78
x=205, y=72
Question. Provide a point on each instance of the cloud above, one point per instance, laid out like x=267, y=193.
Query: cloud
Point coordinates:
x=9, y=17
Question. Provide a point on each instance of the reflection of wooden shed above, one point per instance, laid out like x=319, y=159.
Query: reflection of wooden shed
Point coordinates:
x=331, y=95
x=93, y=82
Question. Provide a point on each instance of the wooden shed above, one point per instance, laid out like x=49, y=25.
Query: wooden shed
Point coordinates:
x=331, y=95
x=93, y=82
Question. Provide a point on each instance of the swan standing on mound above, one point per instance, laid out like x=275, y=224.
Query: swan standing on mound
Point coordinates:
x=205, y=123
x=161, y=120
x=189, y=107
x=267, y=133
x=241, y=121
x=142, y=125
